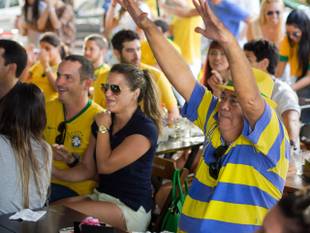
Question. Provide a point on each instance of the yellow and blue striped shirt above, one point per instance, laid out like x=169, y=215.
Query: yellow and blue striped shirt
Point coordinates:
x=252, y=174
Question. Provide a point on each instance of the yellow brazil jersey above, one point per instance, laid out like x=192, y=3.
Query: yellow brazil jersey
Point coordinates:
x=167, y=98
x=78, y=130
x=290, y=54
x=147, y=56
x=39, y=78
x=186, y=38
x=100, y=70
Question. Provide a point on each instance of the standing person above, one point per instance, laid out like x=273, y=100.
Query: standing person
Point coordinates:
x=127, y=49
x=69, y=118
x=269, y=24
x=243, y=170
x=295, y=51
x=263, y=55
x=58, y=17
x=25, y=158
x=43, y=73
x=124, y=141
x=13, y=60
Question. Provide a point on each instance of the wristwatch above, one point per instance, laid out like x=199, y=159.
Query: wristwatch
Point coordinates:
x=102, y=129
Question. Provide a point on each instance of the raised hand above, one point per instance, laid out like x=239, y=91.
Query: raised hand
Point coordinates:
x=214, y=28
x=137, y=15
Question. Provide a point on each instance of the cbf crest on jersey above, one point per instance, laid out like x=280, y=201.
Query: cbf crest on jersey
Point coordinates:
x=76, y=141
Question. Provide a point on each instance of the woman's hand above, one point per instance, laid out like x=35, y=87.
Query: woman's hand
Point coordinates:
x=104, y=118
x=215, y=80
x=44, y=58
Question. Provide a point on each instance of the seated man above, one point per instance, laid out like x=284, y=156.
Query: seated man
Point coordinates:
x=127, y=49
x=69, y=118
x=264, y=55
x=244, y=166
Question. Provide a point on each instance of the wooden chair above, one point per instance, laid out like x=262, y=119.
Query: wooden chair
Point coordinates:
x=163, y=169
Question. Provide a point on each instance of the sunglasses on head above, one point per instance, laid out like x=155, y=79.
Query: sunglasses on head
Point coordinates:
x=113, y=87
x=215, y=167
x=62, y=129
x=270, y=13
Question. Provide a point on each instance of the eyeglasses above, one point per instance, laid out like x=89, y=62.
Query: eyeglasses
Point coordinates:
x=116, y=90
x=62, y=129
x=270, y=13
x=293, y=34
x=215, y=167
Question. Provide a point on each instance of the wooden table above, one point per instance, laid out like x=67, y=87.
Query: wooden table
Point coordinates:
x=182, y=143
x=56, y=218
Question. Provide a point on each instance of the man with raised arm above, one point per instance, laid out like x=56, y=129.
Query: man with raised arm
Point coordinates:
x=243, y=169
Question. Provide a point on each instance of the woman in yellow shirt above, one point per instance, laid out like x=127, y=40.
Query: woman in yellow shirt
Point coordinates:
x=44, y=72
x=295, y=50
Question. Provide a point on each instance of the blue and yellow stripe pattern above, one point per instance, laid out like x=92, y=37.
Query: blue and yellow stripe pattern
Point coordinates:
x=252, y=176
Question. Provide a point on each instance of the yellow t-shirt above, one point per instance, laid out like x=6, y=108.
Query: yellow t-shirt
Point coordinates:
x=78, y=130
x=290, y=54
x=39, y=78
x=167, y=98
x=147, y=56
x=186, y=38
x=100, y=70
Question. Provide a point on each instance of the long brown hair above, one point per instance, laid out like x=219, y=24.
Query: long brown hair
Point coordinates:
x=206, y=72
x=22, y=120
x=141, y=79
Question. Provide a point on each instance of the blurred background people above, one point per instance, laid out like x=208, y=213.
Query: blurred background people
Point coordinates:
x=270, y=23
x=95, y=49
x=44, y=72
x=216, y=64
x=25, y=158
x=58, y=17
x=117, y=18
x=28, y=23
x=295, y=51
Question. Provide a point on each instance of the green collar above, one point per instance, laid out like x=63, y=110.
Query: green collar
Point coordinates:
x=89, y=102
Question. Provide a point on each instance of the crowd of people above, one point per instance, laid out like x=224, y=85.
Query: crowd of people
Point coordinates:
x=81, y=130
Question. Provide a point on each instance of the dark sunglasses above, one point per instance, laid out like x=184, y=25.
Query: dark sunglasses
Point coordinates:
x=62, y=129
x=270, y=13
x=215, y=167
x=293, y=34
x=116, y=90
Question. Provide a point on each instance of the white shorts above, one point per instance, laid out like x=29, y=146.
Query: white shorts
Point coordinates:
x=135, y=220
